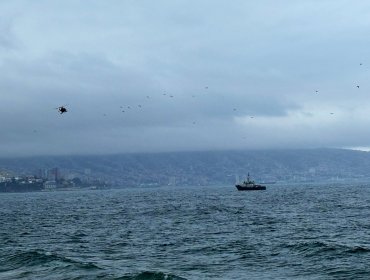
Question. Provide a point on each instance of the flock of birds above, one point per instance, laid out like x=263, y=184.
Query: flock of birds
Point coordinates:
x=357, y=86
x=63, y=109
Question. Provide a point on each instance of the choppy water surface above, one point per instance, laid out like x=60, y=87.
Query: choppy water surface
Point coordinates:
x=286, y=232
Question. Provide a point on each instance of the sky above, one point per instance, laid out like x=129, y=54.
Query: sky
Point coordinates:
x=158, y=76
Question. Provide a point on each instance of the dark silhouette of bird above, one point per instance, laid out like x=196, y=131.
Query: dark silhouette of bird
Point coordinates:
x=62, y=109
x=358, y=86
x=234, y=109
x=360, y=63
x=171, y=96
x=139, y=106
x=331, y=113
x=317, y=91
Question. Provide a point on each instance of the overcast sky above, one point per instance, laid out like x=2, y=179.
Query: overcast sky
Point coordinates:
x=196, y=75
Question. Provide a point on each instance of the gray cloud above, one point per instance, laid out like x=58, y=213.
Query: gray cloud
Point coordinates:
x=223, y=63
x=8, y=40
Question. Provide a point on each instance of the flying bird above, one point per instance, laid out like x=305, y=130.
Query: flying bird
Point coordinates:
x=62, y=109
x=358, y=86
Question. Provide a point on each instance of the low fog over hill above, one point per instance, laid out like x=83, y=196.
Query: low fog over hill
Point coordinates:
x=203, y=168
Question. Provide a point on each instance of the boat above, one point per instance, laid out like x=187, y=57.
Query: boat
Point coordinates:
x=249, y=185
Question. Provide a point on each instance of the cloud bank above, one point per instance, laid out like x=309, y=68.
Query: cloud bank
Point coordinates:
x=182, y=75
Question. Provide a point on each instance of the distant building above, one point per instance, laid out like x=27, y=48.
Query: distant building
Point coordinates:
x=53, y=174
x=50, y=185
x=172, y=181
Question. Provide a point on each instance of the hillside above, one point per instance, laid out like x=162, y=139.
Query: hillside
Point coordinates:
x=204, y=168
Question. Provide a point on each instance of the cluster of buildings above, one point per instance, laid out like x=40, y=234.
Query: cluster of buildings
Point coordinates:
x=44, y=180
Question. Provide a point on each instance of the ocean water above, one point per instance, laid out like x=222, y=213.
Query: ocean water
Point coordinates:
x=285, y=232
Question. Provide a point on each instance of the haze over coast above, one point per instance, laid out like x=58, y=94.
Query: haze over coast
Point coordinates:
x=203, y=168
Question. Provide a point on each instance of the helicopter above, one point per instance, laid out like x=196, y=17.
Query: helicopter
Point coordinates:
x=62, y=109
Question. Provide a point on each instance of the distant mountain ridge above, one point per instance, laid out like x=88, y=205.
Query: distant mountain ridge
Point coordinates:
x=204, y=168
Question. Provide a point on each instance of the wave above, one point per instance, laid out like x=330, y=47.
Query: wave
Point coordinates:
x=319, y=247
x=150, y=275
x=28, y=261
x=35, y=258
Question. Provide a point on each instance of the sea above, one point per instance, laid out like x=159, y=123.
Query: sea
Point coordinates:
x=315, y=231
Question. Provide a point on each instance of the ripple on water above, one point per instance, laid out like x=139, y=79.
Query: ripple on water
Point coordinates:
x=290, y=232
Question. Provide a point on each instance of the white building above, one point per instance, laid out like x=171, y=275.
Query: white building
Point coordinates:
x=50, y=185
